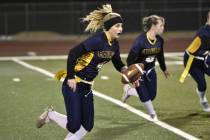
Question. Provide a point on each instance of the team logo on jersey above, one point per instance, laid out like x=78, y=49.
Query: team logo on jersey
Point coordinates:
x=105, y=54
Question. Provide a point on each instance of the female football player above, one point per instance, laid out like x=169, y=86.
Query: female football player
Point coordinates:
x=146, y=49
x=197, y=61
x=83, y=64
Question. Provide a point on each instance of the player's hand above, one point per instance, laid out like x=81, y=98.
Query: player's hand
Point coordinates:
x=136, y=83
x=72, y=84
x=167, y=74
x=123, y=69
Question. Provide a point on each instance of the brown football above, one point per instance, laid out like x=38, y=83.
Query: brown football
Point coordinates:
x=132, y=73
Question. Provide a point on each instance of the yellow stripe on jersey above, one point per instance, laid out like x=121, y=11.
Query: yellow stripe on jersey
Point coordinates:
x=187, y=68
x=195, y=45
x=83, y=61
x=63, y=73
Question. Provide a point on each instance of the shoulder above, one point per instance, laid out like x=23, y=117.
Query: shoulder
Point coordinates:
x=204, y=31
x=139, y=42
x=94, y=40
x=160, y=38
x=116, y=43
x=201, y=30
x=204, y=28
x=140, y=38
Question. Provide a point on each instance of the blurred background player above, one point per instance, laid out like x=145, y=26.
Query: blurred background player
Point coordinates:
x=147, y=47
x=83, y=64
x=197, y=61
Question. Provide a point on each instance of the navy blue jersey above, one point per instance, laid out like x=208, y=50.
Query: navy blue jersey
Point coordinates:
x=146, y=51
x=94, y=53
x=196, y=58
x=204, y=34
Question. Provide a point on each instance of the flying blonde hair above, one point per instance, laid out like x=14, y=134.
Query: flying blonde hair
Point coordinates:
x=97, y=18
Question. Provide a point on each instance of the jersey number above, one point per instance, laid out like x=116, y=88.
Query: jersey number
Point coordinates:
x=150, y=59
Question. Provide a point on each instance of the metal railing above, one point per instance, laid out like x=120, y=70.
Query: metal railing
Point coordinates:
x=64, y=18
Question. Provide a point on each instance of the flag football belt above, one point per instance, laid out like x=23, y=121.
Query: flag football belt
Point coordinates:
x=196, y=57
x=148, y=72
x=188, y=66
x=62, y=74
x=78, y=79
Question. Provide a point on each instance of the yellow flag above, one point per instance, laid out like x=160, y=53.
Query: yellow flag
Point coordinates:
x=60, y=74
x=187, y=68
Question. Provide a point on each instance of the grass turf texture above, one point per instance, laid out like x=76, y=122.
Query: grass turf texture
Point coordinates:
x=21, y=102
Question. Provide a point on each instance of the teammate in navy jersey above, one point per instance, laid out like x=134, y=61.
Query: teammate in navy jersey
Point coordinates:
x=146, y=49
x=83, y=64
x=197, y=62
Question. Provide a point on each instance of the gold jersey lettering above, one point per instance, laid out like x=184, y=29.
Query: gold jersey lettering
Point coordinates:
x=151, y=51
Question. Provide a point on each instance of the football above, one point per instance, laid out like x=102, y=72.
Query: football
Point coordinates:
x=132, y=73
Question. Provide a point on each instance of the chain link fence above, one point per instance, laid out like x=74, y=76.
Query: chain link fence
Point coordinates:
x=64, y=18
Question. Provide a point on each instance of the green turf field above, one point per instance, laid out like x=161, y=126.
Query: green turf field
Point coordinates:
x=21, y=103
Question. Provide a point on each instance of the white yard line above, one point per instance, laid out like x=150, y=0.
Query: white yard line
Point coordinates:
x=176, y=56
x=63, y=57
x=115, y=101
x=169, y=54
x=50, y=57
x=145, y=116
x=171, y=62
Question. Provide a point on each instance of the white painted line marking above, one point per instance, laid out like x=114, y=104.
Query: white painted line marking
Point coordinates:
x=117, y=102
x=104, y=77
x=63, y=57
x=16, y=80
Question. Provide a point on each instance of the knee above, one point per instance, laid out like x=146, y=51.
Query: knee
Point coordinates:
x=153, y=97
x=144, y=98
x=73, y=127
x=89, y=126
x=202, y=86
x=147, y=97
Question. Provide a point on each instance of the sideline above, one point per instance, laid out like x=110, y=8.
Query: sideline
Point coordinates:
x=115, y=101
x=174, y=55
x=176, y=58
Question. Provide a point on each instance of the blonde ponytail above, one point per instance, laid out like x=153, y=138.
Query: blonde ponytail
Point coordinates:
x=95, y=18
